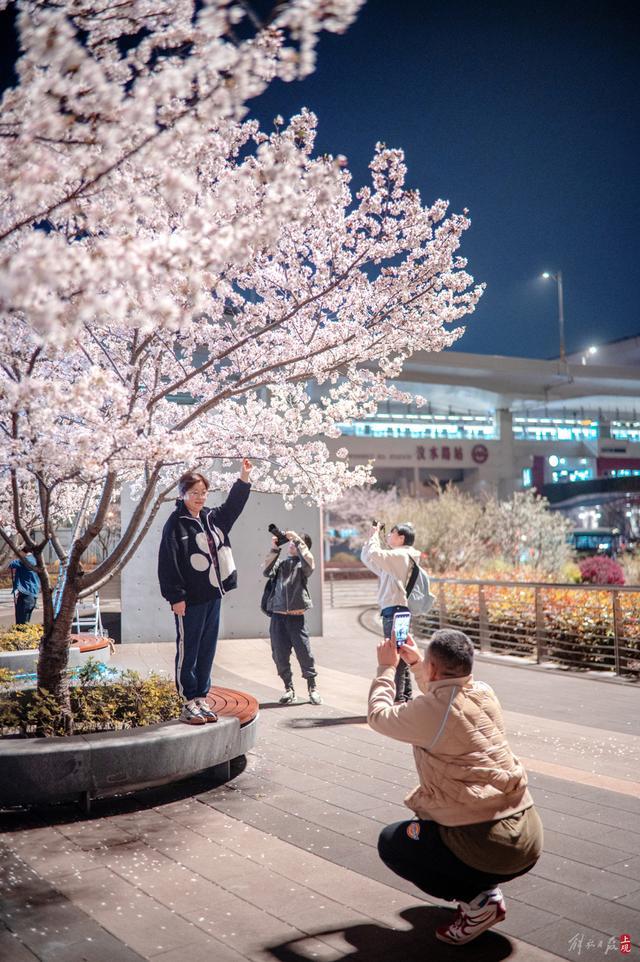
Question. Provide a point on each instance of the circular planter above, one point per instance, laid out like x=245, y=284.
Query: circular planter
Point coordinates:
x=84, y=767
x=83, y=647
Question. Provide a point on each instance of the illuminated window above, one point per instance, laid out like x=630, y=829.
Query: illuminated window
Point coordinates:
x=564, y=475
x=556, y=429
x=625, y=430
x=623, y=473
x=417, y=425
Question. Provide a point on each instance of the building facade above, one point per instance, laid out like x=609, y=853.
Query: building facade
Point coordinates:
x=571, y=430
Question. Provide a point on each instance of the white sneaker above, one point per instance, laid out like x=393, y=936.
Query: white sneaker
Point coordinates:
x=206, y=710
x=469, y=923
x=192, y=715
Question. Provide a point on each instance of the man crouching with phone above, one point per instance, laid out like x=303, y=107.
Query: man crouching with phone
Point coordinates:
x=475, y=826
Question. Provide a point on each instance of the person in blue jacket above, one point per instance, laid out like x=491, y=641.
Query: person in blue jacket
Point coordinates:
x=196, y=569
x=26, y=586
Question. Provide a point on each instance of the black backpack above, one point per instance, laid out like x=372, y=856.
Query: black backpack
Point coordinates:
x=266, y=602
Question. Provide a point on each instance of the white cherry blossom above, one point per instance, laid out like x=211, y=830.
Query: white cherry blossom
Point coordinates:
x=157, y=247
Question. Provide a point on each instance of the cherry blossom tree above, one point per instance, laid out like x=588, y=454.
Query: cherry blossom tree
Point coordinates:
x=158, y=247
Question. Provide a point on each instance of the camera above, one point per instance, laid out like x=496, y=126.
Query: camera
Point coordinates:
x=279, y=535
x=380, y=525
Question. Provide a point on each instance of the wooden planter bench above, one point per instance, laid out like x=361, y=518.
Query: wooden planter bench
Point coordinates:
x=84, y=767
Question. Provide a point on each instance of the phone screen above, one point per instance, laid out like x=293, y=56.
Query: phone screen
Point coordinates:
x=401, y=624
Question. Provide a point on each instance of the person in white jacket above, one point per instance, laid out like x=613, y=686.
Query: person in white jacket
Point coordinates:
x=392, y=563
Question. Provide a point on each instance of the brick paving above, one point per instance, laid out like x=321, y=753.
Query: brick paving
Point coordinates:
x=280, y=863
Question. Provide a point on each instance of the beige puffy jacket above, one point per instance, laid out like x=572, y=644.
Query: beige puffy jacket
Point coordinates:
x=393, y=567
x=467, y=771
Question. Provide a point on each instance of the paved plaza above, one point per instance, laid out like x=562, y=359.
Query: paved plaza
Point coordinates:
x=281, y=864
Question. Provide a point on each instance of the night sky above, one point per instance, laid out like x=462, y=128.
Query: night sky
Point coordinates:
x=525, y=113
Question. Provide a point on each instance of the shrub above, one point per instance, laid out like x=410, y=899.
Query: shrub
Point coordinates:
x=122, y=701
x=524, y=531
x=631, y=568
x=601, y=570
x=20, y=637
x=576, y=626
x=6, y=677
x=457, y=532
x=571, y=573
x=344, y=558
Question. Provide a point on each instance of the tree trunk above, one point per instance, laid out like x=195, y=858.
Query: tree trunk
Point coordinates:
x=54, y=658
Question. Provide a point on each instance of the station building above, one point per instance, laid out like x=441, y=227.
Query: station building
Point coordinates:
x=570, y=429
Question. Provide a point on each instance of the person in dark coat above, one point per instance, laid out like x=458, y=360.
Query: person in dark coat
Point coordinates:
x=196, y=569
x=289, y=602
x=26, y=586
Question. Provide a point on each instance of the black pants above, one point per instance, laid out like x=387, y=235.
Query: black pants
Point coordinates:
x=24, y=605
x=415, y=851
x=403, y=675
x=196, y=642
x=287, y=632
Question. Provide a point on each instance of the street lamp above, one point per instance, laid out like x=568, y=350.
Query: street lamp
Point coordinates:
x=590, y=351
x=558, y=279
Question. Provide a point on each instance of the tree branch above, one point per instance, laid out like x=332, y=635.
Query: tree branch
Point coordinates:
x=256, y=334
x=95, y=585
x=107, y=566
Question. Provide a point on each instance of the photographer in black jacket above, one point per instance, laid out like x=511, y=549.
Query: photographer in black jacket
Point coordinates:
x=195, y=569
x=289, y=601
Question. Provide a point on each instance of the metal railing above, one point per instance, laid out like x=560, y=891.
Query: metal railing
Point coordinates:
x=594, y=627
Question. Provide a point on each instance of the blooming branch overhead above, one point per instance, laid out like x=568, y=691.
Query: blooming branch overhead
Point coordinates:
x=158, y=247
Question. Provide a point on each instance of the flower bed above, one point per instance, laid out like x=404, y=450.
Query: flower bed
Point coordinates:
x=572, y=626
x=21, y=637
x=99, y=703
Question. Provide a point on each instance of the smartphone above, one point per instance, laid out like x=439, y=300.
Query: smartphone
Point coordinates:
x=401, y=624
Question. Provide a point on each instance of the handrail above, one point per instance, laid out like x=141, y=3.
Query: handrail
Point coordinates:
x=596, y=627
x=435, y=579
x=537, y=584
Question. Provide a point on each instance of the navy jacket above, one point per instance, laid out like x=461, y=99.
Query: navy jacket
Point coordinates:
x=195, y=563
x=25, y=580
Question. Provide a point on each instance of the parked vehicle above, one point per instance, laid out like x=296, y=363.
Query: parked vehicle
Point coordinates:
x=597, y=541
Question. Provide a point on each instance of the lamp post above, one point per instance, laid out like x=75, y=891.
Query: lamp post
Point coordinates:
x=558, y=279
x=590, y=352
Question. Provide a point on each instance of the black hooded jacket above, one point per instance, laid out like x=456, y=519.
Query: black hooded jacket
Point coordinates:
x=195, y=563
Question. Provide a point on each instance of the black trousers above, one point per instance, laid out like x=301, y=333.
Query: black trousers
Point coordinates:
x=415, y=851
x=196, y=642
x=403, y=675
x=24, y=605
x=287, y=632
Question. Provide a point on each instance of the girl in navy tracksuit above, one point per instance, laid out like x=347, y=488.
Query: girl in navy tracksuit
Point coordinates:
x=195, y=569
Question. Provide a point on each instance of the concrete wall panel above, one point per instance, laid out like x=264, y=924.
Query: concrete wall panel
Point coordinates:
x=146, y=616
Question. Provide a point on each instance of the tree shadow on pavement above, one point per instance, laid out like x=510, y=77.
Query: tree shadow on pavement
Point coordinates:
x=326, y=722
x=377, y=943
